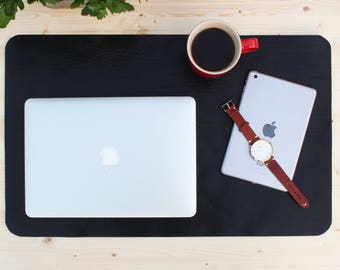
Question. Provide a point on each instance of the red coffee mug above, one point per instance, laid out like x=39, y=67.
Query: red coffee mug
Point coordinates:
x=241, y=46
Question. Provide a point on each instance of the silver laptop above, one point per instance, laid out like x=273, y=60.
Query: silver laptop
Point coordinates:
x=110, y=157
x=278, y=111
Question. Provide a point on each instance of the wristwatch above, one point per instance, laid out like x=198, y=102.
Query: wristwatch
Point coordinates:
x=262, y=151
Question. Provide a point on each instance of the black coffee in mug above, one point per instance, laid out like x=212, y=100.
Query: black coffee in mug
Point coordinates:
x=213, y=49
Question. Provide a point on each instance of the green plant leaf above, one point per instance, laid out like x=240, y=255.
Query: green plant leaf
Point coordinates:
x=118, y=6
x=31, y=1
x=10, y=7
x=101, y=14
x=4, y=18
x=77, y=3
x=21, y=4
x=85, y=11
x=95, y=8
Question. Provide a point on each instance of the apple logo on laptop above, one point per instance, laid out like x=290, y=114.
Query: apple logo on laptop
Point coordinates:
x=269, y=130
x=109, y=157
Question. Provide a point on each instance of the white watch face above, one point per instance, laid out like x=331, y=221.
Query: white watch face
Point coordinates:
x=261, y=150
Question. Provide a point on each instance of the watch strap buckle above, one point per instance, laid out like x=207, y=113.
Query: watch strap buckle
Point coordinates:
x=226, y=106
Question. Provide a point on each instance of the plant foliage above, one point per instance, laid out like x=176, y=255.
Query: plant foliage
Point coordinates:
x=95, y=8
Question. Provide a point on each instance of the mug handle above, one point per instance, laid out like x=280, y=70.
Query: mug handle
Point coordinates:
x=249, y=45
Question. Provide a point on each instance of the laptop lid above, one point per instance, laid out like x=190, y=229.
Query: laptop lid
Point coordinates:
x=278, y=111
x=110, y=157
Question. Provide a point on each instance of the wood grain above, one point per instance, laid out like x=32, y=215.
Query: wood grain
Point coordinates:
x=163, y=17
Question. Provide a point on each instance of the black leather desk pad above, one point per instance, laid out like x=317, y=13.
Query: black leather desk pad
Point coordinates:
x=156, y=65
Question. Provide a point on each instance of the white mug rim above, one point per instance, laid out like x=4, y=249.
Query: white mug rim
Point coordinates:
x=226, y=28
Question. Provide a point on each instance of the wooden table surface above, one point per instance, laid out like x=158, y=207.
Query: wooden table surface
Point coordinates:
x=179, y=17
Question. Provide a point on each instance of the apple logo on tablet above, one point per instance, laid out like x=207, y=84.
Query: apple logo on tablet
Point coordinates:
x=109, y=157
x=269, y=130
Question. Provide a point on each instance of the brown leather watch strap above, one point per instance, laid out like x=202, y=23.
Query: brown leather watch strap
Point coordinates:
x=241, y=123
x=293, y=190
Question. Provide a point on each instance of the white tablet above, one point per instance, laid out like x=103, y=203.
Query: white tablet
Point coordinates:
x=278, y=111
